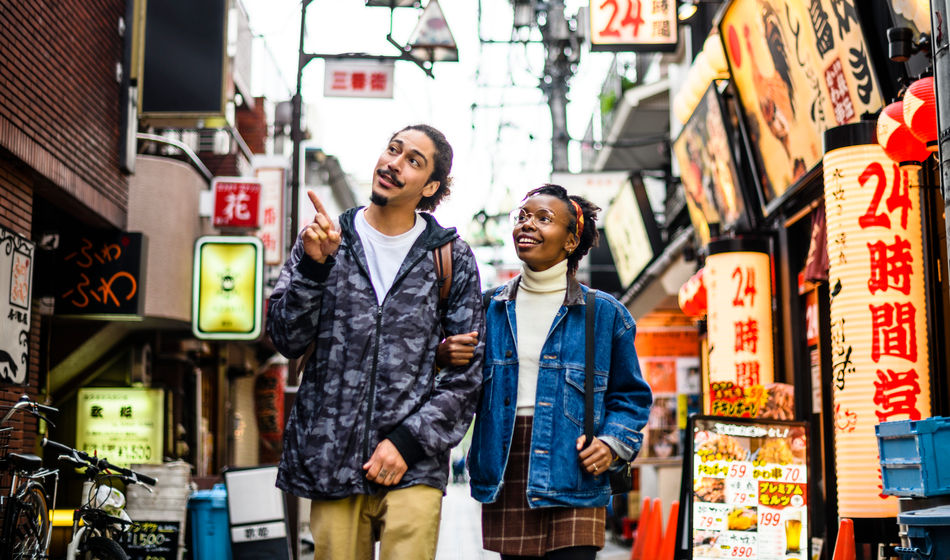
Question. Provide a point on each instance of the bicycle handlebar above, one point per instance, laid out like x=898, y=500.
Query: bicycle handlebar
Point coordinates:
x=96, y=462
x=34, y=408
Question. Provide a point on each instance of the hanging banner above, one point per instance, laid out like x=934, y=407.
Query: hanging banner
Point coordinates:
x=800, y=68
x=738, y=278
x=749, y=489
x=16, y=276
x=879, y=337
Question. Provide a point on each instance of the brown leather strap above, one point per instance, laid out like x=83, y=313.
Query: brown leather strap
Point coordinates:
x=443, y=263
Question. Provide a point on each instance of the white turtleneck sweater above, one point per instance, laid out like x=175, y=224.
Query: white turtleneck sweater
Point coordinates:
x=540, y=295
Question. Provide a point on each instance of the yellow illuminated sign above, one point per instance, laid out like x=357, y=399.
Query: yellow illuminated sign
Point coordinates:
x=227, y=291
x=122, y=425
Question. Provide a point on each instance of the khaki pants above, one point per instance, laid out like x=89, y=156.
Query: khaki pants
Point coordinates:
x=407, y=521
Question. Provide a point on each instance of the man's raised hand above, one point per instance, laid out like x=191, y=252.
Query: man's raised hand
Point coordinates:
x=321, y=238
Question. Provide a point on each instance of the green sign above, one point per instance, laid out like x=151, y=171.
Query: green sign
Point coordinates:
x=228, y=288
x=123, y=425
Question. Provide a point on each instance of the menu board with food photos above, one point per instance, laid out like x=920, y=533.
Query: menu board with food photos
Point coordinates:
x=749, y=489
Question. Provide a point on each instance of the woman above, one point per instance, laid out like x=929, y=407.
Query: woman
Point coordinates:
x=543, y=490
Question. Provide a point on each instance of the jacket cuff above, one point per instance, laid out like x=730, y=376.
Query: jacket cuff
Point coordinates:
x=316, y=271
x=623, y=452
x=407, y=445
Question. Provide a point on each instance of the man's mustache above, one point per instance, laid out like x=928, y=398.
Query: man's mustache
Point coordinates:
x=390, y=176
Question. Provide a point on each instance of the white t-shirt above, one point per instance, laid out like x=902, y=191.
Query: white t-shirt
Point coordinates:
x=385, y=253
x=540, y=295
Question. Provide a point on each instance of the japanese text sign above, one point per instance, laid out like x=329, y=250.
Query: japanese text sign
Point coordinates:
x=359, y=78
x=800, y=67
x=739, y=318
x=749, y=489
x=227, y=288
x=121, y=424
x=101, y=274
x=271, y=232
x=879, y=337
x=633, y=25
x=16, y=275
x=237, y=202
x=151, y=540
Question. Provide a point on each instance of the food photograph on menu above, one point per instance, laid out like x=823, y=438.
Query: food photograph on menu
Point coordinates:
x=750, y=481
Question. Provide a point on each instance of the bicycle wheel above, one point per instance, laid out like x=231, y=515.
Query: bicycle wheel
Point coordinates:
x=28, y=516
x=102, y=548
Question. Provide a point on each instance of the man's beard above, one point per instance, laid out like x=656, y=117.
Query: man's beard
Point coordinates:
x=378, y=199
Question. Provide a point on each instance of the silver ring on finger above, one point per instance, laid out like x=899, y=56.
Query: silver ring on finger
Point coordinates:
x=382, y=474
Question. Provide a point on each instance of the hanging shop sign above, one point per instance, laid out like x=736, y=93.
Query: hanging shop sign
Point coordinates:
x=749, y=493
x=227, y=288
x=799, y=68
x=631, y=230
x=101, y=275
x=633, y=25
x=738, y=278
x=121, y=424
x=879, y=336
x=271, y=232
x=708, y=169
x=237, y=202
x=359, y=78
x=16, y=276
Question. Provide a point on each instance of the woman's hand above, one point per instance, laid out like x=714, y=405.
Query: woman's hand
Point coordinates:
x=456, y=350
x=596, y=457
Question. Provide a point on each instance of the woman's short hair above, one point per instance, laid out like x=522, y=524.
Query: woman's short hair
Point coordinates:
x=589, y=236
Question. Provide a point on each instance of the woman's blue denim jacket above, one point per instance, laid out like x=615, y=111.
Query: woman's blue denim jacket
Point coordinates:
x=622, y=399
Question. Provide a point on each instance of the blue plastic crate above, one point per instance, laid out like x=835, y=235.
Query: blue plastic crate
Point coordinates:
x=210, y=536
x=911, y=465
x=928, y=534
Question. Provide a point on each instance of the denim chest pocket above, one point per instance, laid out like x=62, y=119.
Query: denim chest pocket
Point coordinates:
x=574, y=396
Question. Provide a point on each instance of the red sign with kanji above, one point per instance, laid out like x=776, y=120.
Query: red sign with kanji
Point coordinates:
x=358, y=78
x=237, y=202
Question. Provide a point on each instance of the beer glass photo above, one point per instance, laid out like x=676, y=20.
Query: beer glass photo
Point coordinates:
x=793, y=532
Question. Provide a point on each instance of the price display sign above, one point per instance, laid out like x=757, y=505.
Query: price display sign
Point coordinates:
x=151, y=540
x=749, y=494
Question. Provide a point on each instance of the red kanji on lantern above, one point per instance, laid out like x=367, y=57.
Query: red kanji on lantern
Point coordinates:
x=747, y=334
x=895, y=392
x=747, y=374
x=890, y=266
x=893, y=331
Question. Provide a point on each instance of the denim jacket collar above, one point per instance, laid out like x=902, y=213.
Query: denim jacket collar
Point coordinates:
x=573, y=296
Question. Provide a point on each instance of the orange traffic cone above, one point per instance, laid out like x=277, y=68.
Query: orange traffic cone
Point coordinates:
x=667, y=547
x=844, y=546
x=651, y=545
x=636, y=553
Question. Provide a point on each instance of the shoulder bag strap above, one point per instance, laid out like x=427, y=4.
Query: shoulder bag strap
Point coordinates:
x=589, y=367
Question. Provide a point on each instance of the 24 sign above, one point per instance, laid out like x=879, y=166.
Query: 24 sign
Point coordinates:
x=633, y=25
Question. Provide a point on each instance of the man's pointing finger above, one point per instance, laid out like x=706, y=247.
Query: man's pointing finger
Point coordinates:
x=317, y=205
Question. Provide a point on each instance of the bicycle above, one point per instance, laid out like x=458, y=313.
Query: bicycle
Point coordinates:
x=26, y=525
x=102, y=515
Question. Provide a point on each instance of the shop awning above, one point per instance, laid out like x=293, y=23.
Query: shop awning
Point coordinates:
x=639, y=134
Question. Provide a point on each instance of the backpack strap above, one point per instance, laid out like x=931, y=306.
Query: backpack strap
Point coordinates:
x=590, y=305
x=443, y=266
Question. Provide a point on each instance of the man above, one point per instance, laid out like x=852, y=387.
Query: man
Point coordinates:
x=369, y=436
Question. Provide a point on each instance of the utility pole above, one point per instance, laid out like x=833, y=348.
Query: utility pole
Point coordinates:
x=560, y=60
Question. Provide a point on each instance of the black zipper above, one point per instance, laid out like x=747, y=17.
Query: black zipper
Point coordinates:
x=372, y=386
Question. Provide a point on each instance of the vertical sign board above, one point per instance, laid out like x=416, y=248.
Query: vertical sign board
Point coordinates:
x=749, y=495
x=16, y=275
x=122, y=424
x=633, y=25
x=271, y=232
x=227, y=288
x=258, y=522
x=879, y=339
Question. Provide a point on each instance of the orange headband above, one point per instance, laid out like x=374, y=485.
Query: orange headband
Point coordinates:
x=580, y=218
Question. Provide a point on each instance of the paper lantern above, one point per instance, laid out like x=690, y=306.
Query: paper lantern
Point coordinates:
x=692, y=296
x=879, y=337
x=896, y=139
x=738, y=279
x=920, y=111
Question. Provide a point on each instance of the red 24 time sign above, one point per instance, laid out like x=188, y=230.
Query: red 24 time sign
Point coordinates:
x=633, y=25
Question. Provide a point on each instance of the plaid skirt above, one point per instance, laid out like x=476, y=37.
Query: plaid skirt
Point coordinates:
x=509, y=526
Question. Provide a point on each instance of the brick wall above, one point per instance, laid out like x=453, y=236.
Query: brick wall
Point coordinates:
x=16, y=209
x=59, y=98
